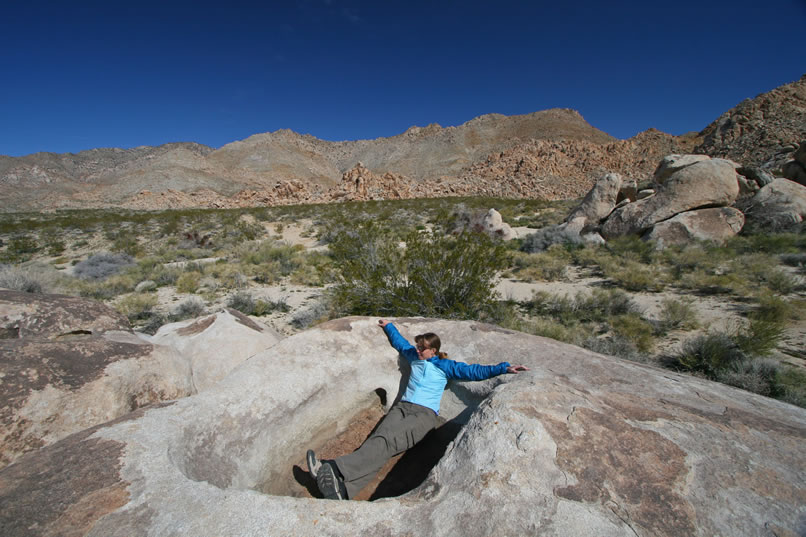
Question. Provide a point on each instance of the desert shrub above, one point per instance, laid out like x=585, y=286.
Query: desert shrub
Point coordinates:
x=188, y=282
x=231, y=276
x=759, y=337
x=617, y=346
x=306, y=275
x=312, y=314
x=18, y=279
x=707, y=354
x=448, y=276
x=683, y=259
x=634, y=329
x=678, y=315
x=782, y=282
x=54, y=244
x=102, y=265
x=137, y=306
x=163, y=276
x=20, y=248
x=542, y=239
x=248, y=305
x=126, y=242
x=757, y=376
x=598, y=306
x=793, y=260
x=146, y=286
x=634, y=276
x=243, y=302
x=547, y=328
x=631, y=247
x=542, y=266
x=705, y=283
x=792, y=383
x=590, y=256
x=772, y=308
x=190, y=308
x=151, y=323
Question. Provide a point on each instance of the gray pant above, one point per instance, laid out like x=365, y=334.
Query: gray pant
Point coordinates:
x=404, y=425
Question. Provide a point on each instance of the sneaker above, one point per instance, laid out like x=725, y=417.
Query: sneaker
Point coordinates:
x=313, y=463
x=331, y=487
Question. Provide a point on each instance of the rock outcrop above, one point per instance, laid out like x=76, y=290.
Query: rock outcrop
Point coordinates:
x=693, y=197
x=489, y=222
x=716, y=224
x=582, y=445
x=779, y=205
x=68, y=363
x=707, y=183
x=764, y=131
x=215, y=344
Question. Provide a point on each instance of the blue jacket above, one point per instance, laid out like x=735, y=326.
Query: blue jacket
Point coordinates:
x=429, y=377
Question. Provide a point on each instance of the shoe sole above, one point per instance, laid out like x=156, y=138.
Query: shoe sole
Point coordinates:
x=313, y=464
x=333, y=494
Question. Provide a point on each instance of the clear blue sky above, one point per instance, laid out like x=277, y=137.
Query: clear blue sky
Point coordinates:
x=76, y=75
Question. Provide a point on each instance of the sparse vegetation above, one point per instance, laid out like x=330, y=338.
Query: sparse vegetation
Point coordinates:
x=375, y=265
x=102, y=265
x=428, y=274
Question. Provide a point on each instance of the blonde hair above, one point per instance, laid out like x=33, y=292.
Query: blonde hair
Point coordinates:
x=431, y=340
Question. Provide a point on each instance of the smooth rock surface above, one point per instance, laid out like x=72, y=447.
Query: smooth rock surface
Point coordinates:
x=672, y=163
x=583, y=444
x=215, y=344
x=598, y=202
x=709, y=183
x=53, y=316
x=778, y=205
x=716, y=224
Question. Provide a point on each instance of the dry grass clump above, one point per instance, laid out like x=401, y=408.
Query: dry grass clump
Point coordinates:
x=678, y=315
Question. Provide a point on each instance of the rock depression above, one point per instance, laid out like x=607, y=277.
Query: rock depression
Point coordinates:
x=582, y=445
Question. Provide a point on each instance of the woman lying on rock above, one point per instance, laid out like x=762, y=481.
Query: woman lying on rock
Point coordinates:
x=408, y=421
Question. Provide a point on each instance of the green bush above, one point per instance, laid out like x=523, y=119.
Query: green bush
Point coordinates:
x=635, y=276
x=248, y=305
x=440, y=275
x=542, y=266
x=632, y=248
x=138, y=306
x=634, y=329
x=759, y=337
x=190, y=308
x=678, y=315
x=598, y=306
x=188, y=282
x=707, y=354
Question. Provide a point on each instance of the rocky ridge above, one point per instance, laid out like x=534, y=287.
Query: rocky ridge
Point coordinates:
x=764, y=131
x=552, y=154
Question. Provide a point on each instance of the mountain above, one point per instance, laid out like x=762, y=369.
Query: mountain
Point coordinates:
x=551, y=154
x=763, y=131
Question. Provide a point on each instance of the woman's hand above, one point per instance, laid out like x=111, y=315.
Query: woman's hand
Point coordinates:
x=517, y=369
x=382, y=322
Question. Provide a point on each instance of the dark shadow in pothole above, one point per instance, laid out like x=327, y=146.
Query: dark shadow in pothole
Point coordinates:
x=407, y=471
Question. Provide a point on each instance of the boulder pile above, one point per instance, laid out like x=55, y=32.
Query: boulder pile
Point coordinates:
x=583, y=444
x=690, y=197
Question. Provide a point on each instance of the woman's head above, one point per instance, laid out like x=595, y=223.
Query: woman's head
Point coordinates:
x=428, y=346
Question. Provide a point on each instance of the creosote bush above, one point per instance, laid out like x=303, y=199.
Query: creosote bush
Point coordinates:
x=432, y=274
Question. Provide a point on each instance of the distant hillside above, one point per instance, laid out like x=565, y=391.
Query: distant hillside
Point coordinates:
x=762, y=131
x=552, y=154
x=109, y=177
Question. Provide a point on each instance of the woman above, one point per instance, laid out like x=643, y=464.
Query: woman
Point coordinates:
x=408, y=421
